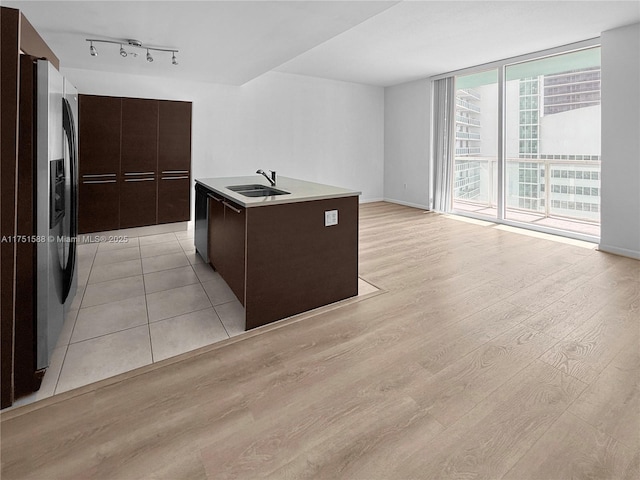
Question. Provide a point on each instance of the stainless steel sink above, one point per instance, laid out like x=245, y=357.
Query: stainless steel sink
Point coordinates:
x=256, y=190
x=253, y=186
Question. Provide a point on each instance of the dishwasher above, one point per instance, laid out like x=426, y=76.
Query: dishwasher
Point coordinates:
x=202, y=221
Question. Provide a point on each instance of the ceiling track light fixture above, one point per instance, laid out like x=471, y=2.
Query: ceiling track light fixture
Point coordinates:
x=134, y=44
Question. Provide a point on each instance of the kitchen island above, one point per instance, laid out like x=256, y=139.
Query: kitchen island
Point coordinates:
x=285, y=248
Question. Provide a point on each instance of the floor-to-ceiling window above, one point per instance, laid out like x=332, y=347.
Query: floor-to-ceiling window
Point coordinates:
x=545, y=131
x=476, y=143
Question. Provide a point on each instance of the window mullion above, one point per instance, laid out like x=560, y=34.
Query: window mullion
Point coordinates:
x=501, y=144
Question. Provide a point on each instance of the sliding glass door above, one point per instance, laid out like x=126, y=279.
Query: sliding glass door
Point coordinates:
x=476, y=144
x=553, y=142
x=547, y=136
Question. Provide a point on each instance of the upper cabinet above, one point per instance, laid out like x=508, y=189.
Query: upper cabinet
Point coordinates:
x=139, y=136
x=99, y=134
x=174, y=127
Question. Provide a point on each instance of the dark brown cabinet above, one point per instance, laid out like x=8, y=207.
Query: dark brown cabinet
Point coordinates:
x=280, y=259
x=234, y=244
x=226, y=242
x=138, y=202
x=138, y=163
x=134, y=162
x=99, y=133
x=294, y=262
x=174, y=161
x=99, y=166
x=98, y=205
x=174, y=198
x=215, y=249
x=139, y=136
x=174, y=130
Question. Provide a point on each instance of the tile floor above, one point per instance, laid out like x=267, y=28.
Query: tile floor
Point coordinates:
x=139, y=302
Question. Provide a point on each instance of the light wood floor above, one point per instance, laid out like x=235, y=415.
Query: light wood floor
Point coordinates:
x=488, y=354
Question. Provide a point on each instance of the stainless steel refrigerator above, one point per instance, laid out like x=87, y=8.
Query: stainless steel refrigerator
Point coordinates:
x=56, y=206
x=47, y=217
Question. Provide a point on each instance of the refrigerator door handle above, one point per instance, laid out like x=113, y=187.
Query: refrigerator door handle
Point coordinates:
x=70, y=135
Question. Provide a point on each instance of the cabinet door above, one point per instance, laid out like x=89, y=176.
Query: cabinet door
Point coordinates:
x=139, y=136
x=174, y=192
x=139, y=186
x=234, y=248
x=174, y=161
x=215, y=247
x=99, y=126
x=174, y=141
x=138, y=201
x=98, y=206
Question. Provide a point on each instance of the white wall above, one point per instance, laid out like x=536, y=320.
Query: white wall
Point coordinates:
x=308, y=128
x=620, y=221
x=406, y=143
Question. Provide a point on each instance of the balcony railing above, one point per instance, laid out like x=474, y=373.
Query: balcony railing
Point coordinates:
x=467, y=136
x=468, y=151
x=467, y=105
x=546, y=188
x=468, y=92
x=467, y=121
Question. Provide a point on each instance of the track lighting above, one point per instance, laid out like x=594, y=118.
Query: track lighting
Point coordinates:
x=134, y=44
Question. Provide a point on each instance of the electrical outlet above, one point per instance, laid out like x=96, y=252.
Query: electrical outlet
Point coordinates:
x=330, y=218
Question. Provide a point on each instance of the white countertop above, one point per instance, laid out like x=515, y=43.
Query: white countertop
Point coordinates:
x=299, y=190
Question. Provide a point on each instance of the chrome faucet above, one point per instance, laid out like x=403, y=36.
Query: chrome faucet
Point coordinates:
x=272, y=179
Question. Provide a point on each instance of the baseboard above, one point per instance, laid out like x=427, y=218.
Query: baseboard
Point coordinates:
x=619, y=251
x=407, y=204
x=371, y=200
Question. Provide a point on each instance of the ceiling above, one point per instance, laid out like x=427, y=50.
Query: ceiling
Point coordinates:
x=373, y=42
